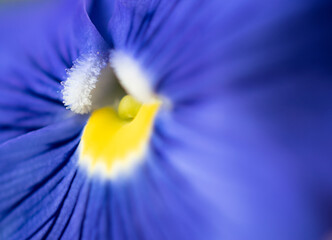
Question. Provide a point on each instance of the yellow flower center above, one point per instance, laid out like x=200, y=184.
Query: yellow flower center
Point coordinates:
x=113, y=141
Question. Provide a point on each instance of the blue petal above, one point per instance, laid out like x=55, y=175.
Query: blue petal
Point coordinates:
x=262, y=181
x=39, y=41
x=37, y=172
x=209, y=45
x=240, y=41
x=251, y=124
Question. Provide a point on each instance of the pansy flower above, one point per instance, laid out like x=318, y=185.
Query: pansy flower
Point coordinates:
x=166, y=119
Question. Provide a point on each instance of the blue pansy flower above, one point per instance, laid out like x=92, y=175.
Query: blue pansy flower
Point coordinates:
x=155, y=119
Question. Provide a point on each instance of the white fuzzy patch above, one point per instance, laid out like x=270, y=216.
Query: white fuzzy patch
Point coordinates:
x=81, y=80
x=131, y=76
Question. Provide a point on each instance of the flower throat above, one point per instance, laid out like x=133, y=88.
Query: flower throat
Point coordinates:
x=113, y=141
x=116, y=136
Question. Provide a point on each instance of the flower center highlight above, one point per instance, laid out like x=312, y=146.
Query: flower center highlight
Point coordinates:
x=115, y=141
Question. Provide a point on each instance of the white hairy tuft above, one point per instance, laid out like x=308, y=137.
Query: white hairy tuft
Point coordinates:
x=131, y=76
x=81, y=80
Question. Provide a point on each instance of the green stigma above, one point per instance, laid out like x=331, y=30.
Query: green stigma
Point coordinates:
x=128, y=107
